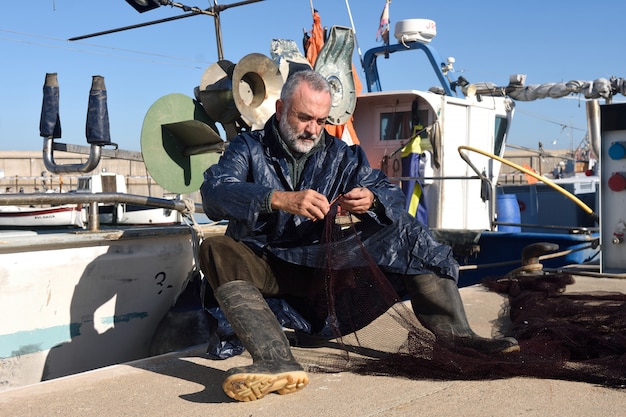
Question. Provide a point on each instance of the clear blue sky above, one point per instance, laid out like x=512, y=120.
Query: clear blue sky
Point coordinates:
x=490, y=40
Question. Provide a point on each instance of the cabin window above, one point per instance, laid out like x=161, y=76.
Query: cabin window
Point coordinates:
x=395, y=125
x=84, y=183
x=501, y=125
x=398, y=125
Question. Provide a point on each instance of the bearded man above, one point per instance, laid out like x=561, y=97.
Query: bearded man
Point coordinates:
x=274, y=186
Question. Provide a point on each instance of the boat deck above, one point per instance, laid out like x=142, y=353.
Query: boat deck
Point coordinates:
x=188, y=384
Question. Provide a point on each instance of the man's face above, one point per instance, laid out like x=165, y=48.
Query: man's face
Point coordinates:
x=301, y=124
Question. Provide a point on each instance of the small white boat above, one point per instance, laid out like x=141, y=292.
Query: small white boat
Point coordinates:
x=124, y=213
x=57, y=216
x=75, y=215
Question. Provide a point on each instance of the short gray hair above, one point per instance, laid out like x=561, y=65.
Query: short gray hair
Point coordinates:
x=314, y=80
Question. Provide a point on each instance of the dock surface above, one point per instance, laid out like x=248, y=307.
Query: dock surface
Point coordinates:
x=189, y=384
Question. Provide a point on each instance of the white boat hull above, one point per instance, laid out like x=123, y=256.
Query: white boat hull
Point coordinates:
x=64, y=215
x=136, y=215
x=72, y=302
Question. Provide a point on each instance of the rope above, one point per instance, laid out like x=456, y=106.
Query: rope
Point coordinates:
x=197, y=234
x=541, y=258
x=587, y=273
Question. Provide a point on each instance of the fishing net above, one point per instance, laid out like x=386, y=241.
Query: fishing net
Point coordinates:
x=369, y=328
x=357, y=318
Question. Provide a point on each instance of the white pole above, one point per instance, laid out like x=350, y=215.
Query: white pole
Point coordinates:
x=354, y=30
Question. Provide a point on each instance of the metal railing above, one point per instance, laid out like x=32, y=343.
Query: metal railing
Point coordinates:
x=94, y=200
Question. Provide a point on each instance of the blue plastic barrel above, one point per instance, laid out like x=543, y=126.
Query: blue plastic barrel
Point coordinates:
x=507, y=210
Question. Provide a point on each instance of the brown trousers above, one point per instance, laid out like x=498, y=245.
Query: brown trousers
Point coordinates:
x=223, y=259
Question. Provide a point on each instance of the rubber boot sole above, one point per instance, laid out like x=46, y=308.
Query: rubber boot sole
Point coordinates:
x=254, y=386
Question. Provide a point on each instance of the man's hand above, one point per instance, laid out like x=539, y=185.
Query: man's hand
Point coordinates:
x=307, y=203
x=358, y=200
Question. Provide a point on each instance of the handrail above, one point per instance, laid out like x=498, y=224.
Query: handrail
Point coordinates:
x=87, y=198
x=372, y=79
x=548, y=182
x=185, y=207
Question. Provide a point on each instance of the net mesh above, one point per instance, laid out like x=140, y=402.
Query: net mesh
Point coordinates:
x=571, y=336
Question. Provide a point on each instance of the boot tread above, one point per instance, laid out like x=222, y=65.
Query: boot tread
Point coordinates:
x=252, y=386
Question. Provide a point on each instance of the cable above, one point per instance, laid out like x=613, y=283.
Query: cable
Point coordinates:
x=62, y=44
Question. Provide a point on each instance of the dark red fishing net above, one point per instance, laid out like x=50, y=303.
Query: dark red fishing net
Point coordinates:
x=571, y=336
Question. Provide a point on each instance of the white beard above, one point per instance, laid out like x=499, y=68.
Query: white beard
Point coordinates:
x=296, y=141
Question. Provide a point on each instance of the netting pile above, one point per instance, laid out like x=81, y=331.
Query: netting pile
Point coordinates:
x=570, y=336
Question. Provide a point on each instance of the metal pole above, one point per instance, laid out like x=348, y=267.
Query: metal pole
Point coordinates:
x=94, y=218
x=358, y=48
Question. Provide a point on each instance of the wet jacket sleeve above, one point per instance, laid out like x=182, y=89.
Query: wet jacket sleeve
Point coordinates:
x=228, y=191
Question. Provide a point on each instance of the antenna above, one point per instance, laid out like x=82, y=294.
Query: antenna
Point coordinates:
x=146, y=5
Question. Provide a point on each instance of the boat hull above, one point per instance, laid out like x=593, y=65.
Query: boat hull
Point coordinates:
x=72, y=302
x=64, y=215
x=137, y=215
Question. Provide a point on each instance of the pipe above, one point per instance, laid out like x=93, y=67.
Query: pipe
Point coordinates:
x=89, y=198
x=593, y=124
x=94, y=218
x=95, y=152
x=97, y=128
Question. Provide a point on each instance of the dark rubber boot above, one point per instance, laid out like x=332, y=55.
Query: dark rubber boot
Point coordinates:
x=438, y=306
x=274, y=368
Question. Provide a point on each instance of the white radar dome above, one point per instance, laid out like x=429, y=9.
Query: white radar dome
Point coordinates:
x=415, y=30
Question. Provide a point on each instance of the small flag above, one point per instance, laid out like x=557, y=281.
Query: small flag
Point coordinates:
x=383, y=28
x=315, y=42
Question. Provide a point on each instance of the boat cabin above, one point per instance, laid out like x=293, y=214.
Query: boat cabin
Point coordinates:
x=428, y=127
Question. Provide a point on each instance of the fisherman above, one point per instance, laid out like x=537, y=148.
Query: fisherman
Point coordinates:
x=275, y=186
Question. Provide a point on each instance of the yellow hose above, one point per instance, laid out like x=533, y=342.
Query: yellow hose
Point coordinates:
x=548, y=182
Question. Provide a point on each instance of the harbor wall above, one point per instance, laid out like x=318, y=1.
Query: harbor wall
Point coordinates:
x=25, y=171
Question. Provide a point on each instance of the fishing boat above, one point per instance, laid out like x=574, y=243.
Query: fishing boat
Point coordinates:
x=83, y=298
x=96, y=297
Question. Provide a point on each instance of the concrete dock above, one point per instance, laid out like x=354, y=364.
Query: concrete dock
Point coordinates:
x=188, y=384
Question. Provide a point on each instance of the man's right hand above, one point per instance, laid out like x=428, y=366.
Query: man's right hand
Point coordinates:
x=308, y=203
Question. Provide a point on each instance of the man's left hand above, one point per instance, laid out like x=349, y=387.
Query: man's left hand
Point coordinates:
x=358, y=200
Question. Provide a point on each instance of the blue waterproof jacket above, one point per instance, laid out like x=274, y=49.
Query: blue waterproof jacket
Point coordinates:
x=254, y=164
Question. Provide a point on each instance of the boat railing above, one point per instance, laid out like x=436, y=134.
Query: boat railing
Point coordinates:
x=548, y=182
x=372, y=78
x=495, y=222
x=473, y=177
x=94, y=200
x=574, y=230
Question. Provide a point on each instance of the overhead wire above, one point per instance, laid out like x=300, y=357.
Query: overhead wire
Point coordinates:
x=63, y=44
